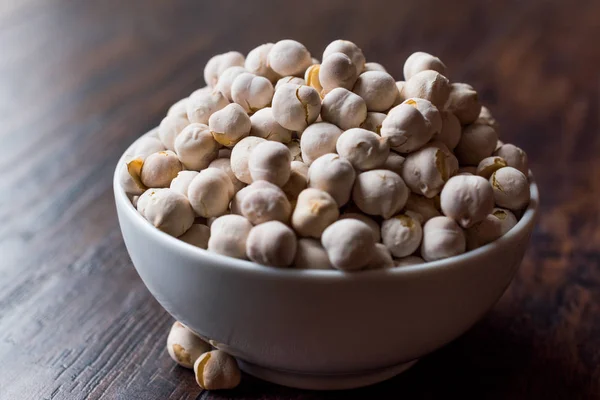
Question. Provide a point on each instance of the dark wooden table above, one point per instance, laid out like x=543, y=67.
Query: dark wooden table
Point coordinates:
x=80, y=80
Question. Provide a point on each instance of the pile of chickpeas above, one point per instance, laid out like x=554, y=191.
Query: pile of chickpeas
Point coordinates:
x=294, y=163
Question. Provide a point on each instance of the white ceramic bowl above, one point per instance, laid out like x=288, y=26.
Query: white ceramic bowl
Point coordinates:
x=322, y=329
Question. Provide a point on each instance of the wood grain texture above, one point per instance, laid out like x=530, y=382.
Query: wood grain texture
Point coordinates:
x=80, y=80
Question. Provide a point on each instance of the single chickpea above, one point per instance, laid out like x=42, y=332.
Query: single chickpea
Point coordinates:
x=367, y=220
x=196, y=147
x=394, y=162
x=350, y=49
x=382, y=259
x=377, y=88
x=272, y=243
x=265, y=126
x=421, y=61
x=489, y=165
x=236, y=202
x=344, y=108
x=337, y=70
x=409, y=260
x=349, y=244
x=298, y=180
x=226, y=80
x=204, y=104
x=130, y=177
x=311, y=77
x=311, y=255
x=224, y=164
x=257, y=62
x=514, y=157
x=421, y=207
x=143, y=200
x=380, y=192
x=240, y=154
x=495, y=225
x=333, y=174
x=179, y=108
x=315, y=210
x=169, y=128
x=219, y=63
x=476, y=143
x=318, y=139
x=263, y=204
x=429, y=85
x=432, y=116
x=228, y=236
x=511, y=188
x=402, y=234
x=467, y=199
x=182, y=181
x=442, y=238
x=374, y=122
x=159, y=169
x=217, y=370
x=210, y=192
x=252, y=92
x=451, y=130
x=373, y=66
x=288, y=57
x=184, y=346
x=486, y=118
x=197, y=235
x=295, y=107
x=364, y=149
x=270, y=161
x=229, y=125
x=428, y=169
x=406, y=129
x=289, y=79
x=169, y=211
x=464, y=103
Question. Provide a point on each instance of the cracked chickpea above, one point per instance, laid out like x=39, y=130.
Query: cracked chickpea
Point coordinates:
x=373, y=122
x=495, y=225
x=318, y=139
x=271, y=162
x=514, y=157
x=429, y=85
x=511, y=188
x=240, y=155
x=349, y=244
x=251, y=91
x=333, y=174
x=421, y=61
x=272, y=243
x=201, y=106
x=402, y=234
x=427, y=170
x=210, y=192
x=159, y=169
x=433, y=117
x=228, y=236
x=380, y=192
x=311, y=255
x=344, y=108
x=219, y=63
x=489, y=165
x=405, y=128
x=289, y=57
x=184, y=346
x=364, y=149
x=169, y=211
x=264, y=125
x=217, y=370
x=229, y=125
x=196, y=147
x=463, y=102
x=350, y=49
x=337, y=70
x=442, y=238
x=262, y=203
x=311, y=78
x=257, y=62
x=295, y=107
x=169, y=128
x=476, y=143
x=377, y=88
x=467, y=199
x=315, y=210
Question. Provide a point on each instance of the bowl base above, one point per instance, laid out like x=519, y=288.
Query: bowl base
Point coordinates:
x=324, y=382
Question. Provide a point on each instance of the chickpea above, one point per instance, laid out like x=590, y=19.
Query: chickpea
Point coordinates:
x=196, y=147
x=428, y=169
x=421, y=61
x=240, y=154
x=380, y=192
x=318, y=139
x=315, y=210
x=442, y=238
x=344, y=109
x=468, y=199
x=511, y=188
x=364, y=149
x=349, y=244
x=476, y=143
x=264, y=125
x=169, y=211
x=159, y=169
x=271, y=162
x=210, y=192
x=272, y=243
x=333, y=174
x=228, y=236
x=463, y=102
x=377, y=88
x=288, y=57
x=402, y=234
x=295, y=107
x=229, y=125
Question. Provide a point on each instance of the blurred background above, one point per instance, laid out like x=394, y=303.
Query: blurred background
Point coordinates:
x=82, y=79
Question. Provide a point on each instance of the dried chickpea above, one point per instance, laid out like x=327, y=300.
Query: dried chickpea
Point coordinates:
x=184, y=346
x=197, y=235
x=486, y=118
x=377, y=88
x=468, y=199
x=217, y=370
x=514, y=157
x=333, y=174
x=432, y=116
x=429, y=85
x=169, y=128
x=421, y=61
x=169, y=211
x=476, y=143
x=364, y=149
x=511, y=188
x=374, y=122
x=289, y=79
x=394, y=162
x=428, y=169
x=210, y=192
x=442, y=238
x=406, y=129
x=494, y=226
x=464, y=103
x=196, y=147
x=224, y=164
x=382, y=259
x=261, y=205
x=380, y=192
x=349, y=244
x=264, y=125
x=311, y=255
x=451, y=130
x=373, y=66
x=289, y=57
x=257, y=62
x=295, y=107
x=272, y=243
x=489, y=165
x=252, y=92
x=337, y=70
x=229, y=125
x=240, y=154
x=402, y=234
x=179, y=108
x=344, y=108
x=298, y=180
x=350, y=49
x=295, y=150
x=202, y=105
x=182, y=181
x=315, y=210
x=423, y=208
x=367, y=220
x=219, y=63
x=228, y=236
x=311, y=77
x=226, y=80
x=270, y=161
x=159, y=169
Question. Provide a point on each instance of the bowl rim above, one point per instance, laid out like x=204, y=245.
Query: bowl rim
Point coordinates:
x=204, y=256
